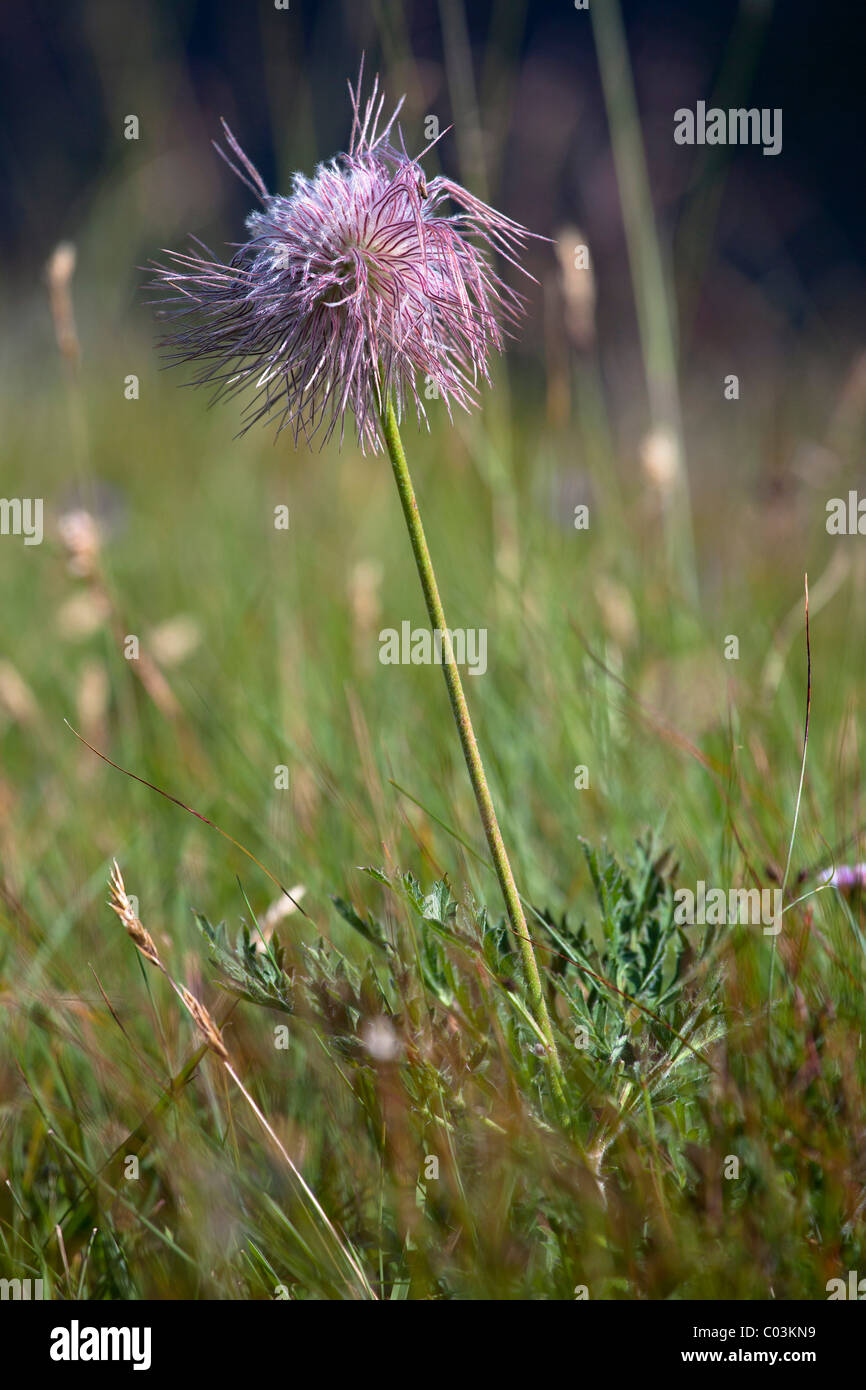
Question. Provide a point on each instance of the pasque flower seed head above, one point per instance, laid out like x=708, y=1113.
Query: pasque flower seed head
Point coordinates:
x=365, y=282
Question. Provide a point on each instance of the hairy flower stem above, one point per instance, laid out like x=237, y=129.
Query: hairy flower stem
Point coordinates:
x=468, y=740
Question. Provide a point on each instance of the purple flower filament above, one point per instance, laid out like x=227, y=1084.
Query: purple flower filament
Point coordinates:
x=358, y=285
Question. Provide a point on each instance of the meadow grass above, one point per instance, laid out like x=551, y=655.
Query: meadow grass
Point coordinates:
x=592, y=662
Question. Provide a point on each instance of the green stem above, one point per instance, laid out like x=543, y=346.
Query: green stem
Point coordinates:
x=468, y=742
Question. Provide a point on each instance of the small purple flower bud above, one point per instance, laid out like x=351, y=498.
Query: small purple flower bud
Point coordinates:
x=846, y=877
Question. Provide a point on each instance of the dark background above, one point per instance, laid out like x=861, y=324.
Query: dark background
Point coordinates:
x=66, y=69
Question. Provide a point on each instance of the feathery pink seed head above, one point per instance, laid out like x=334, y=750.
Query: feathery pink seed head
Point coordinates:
x=356, y=286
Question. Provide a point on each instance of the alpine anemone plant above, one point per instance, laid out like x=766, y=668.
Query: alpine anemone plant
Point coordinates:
x=355, y=294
